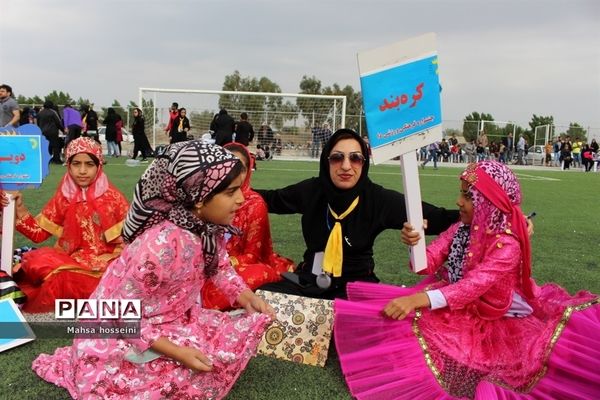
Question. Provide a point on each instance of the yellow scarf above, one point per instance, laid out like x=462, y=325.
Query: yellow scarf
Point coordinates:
x=180, y=127
x=334, y=253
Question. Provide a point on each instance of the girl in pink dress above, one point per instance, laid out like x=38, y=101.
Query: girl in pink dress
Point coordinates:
x=478, y=326
x=183, y=205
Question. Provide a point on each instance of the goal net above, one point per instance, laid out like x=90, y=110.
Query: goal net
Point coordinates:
x=543, y=134
x=490, y=131
x=289, y=120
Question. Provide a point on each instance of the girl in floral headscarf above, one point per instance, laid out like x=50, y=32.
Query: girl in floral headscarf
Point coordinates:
x=251, y=253
x=478, y=326
x=183, y=206
x=86, y=216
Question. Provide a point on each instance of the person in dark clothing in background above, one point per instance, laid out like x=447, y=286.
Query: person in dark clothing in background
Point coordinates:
x=224, y=126
x=50, y=124
x=244, y=132
x=180, y=127
x=140, y=141
x=89, y=120
x=111, y=132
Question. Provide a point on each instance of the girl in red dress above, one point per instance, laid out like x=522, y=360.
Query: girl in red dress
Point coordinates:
x=86, y=215
x=251, y=253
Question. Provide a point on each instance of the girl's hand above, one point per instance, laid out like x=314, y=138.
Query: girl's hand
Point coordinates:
x=409, y=236
x=193, y=359
x=3, y=199
x=252, y=303
x=400, y=307
x=529, y=227
x=20, y=208
x=188, y=356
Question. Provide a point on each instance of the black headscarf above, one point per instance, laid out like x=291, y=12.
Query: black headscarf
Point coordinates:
x=340, y=199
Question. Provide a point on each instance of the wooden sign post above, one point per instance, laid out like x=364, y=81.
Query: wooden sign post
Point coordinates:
x=23, y=164
x=8, y=232
x=401, y=98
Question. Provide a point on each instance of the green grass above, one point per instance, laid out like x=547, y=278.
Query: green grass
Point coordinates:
x=566, y=250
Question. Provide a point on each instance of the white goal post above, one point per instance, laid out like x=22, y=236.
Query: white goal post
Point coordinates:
x=292, y=117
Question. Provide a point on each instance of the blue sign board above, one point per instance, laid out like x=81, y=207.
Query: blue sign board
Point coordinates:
x=23, y=157
x=401, y=100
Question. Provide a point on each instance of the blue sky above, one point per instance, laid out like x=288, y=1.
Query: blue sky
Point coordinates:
x=510, y=58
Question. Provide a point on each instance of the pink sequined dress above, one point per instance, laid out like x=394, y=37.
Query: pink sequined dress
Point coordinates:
x=164, y=268
x=461, y=351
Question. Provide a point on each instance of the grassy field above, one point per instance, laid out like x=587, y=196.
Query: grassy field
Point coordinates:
x=566, y=250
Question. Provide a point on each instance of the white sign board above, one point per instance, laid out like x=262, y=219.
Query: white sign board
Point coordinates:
x=401, y=98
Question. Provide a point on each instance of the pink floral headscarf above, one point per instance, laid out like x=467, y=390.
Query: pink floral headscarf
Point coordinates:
x=496, y=198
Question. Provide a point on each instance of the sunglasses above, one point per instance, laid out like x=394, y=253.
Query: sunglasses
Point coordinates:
x=356, y=159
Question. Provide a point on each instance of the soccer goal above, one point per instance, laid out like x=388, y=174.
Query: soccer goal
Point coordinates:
x=289, y=118
x=542, y=134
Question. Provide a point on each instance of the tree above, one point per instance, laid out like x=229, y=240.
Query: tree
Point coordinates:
x=355, y=118
x=576, y=132
x=311, y=109
x=259, y=108
x=472, y=125
x=538, y=120
x=318, y=111
x=59, y=98
x=201, y=120
x=118, y=108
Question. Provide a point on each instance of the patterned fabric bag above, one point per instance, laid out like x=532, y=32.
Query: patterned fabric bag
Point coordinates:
x=302, y=332
x=10, y=290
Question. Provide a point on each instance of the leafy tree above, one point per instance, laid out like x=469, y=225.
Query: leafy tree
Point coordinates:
x=318, y=111
x=59, y=98
x=22, y=100
x=355, y=118
x=577, y=132
x=312, y=109
x=118, y=108
x=538, y=120
x=472, y=125
x=259, y=108
x=200, y=121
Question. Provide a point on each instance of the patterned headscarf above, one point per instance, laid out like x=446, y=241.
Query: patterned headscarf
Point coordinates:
x=184, y=175
x=496, y=198
x=98, y=186
x=75, y=194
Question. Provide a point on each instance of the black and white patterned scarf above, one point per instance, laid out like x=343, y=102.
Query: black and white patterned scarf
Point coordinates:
x=185, y=174
x=459, y=246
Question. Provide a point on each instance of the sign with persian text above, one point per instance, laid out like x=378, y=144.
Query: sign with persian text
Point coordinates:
x=401, y=96
x=23, y=157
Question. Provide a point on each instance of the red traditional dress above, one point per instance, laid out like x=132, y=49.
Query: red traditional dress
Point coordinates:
x=251, y=253
x=87, y=223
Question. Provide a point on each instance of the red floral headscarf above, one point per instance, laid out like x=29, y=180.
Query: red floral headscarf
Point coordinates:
x=75, y=194
x=99, y=185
